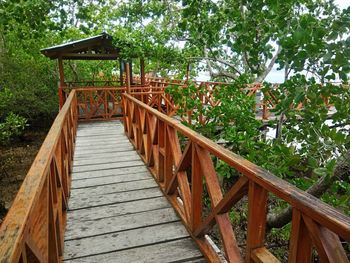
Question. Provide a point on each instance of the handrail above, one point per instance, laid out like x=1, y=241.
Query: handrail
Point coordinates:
x=34, y=226
x=314, y=223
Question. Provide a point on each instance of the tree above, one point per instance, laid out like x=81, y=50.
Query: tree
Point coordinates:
x=250, y=37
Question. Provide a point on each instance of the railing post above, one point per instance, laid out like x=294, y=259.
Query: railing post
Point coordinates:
x=163, y=155
x=257, y=204
x=197, y=191
x=300, y=245
x=127, y=70
x=61, y=83
x=142, y=67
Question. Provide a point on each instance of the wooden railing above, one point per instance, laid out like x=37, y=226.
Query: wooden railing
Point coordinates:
x=153, y=94
x=33, y=230
x=205, y=92
x=93, y=83
x=181, y=163
x=96, y=103
x=99, y=103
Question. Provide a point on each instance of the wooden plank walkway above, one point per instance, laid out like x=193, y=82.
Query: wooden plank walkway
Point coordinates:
x=116, y=211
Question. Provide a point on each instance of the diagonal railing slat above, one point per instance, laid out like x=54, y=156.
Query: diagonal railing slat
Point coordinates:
x=181, y=162
x=34, y=226
x=311, y=217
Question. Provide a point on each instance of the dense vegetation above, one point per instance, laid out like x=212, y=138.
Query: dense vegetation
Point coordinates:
x=237, y=41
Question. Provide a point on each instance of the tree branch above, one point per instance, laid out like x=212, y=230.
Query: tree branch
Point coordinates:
x=269, y=67
x=218, y=60
x=341, y=172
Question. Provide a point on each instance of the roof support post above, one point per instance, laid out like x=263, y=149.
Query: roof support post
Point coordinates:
x=61, y=82
x=131, y=79
x=142, y=71
x=121, y=70
x=127, y=70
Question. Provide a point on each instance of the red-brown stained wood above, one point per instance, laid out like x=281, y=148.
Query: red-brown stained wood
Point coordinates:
x=61, y=82
x=300, y=246
x=238, y=190
x=185, y=194
x=211, y=178
x=257, y=204
x=262, y=179
x=184, y=163
x=23, y=258
x=262, y=255
x=197, y=190
x=307, y=204
x=328, y=245
x=223, y=220
x=27, y=220
x=185, y=160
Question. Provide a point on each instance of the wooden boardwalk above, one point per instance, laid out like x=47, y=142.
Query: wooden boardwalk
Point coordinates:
x=116, y=211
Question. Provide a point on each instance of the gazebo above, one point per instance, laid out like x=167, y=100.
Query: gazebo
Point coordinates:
x=98, y=47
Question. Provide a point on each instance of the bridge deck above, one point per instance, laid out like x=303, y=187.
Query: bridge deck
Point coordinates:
x=116, y=211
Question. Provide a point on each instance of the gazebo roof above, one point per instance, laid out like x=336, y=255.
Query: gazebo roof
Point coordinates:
x=98, y=47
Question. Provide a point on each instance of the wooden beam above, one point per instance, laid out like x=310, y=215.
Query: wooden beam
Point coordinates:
x=89, y=56
x=131, y=78
x=142, y=71
x=121, y=67
x=239, y=189
x=61, y=82
x=328, y=245
x=300, y=245
x=127, y=77
x=197, y=190
x=257, y=205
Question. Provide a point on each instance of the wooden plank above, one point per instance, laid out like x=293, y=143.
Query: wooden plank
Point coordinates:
x=183, y=250
x=114, y=188
x=119, y=209
x=80, y=203
x=120, y=223
x=106, y=180
x=95, y=125
x=106, y=166
x=108, y=135
x=90, y=152
x=95, y=134
x=104, y=155
x=99, y=125
x=85, y=136
x=124, y=240
x=197, y=191
x=98, y=131
x=128, y=156
x=103, y=146
x=110, y=144
x=328, y=245
x=257, y=205
x=102, y=137
x=237, y=191
x=111, y=172
x=103, y=141
x=300, y=244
